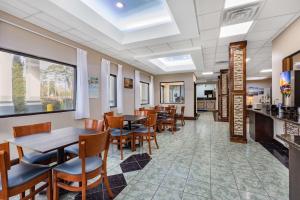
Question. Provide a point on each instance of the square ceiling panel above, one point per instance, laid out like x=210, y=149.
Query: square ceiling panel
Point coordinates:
x=132, y=15
x=174, y=63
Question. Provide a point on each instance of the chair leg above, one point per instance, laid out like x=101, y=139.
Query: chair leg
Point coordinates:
x=173, y=127
x=121, y=148
x=133, y=148
x=22, y=195
x=149, y=144
x=32, y=190
x=83, y=191
x=106, y=183
x=49, y=189
x=156, y=141
x=55, y=187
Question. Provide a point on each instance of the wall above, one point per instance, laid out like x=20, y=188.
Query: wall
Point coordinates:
x=287, y=43
x=202, y=87
x=14, y=38
x=265, y=83
x=188, y=79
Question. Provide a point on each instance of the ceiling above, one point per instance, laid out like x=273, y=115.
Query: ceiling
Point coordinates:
x=193, y=30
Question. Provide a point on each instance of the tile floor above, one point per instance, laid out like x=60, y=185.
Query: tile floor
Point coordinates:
x=199, y=162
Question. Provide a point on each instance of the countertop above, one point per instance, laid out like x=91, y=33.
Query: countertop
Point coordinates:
x=295, y=119
x=292, y=140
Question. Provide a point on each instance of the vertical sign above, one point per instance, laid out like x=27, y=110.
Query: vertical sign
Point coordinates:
x=237, y=91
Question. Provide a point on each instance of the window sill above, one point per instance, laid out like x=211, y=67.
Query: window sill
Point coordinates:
x=37, y=113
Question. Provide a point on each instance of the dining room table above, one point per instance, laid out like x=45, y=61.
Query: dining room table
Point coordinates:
x=130, y=119
x=57, y=139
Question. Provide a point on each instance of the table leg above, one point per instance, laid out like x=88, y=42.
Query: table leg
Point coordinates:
x=129, y=125
x=60, y=155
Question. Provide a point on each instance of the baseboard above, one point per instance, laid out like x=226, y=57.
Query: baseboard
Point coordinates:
x=238, y=140
x=190, y=118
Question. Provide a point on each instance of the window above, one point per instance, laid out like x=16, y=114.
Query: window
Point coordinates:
x=172, y=92
x=144, y=93
x=113, y=91
x=33, y=85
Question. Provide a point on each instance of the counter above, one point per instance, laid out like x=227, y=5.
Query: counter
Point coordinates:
x=294, y=164
x=206, y=104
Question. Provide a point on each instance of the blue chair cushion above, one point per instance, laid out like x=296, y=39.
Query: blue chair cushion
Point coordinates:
x=73, y=166
x=73, y=149
x=23, y=173
x=143, y=130
x=117, y=132
x=35, y=157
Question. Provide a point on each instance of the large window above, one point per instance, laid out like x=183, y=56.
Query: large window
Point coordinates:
x=144, y=93
x=172, y=92
x=113, y=91
x=32, y=85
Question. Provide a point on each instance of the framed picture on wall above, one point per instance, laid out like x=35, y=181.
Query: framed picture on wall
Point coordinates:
x=128, y=83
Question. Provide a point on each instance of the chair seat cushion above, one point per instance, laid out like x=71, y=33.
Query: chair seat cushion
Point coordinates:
x=143, y=130
x=35, y=157
x=24, y=172
x=73, y=149
x=117, y=132
x=73, y=166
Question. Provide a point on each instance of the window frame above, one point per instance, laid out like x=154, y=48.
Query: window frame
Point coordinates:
x=160, y=95
x=116, y=88
x=148, y=102
x=48, y=60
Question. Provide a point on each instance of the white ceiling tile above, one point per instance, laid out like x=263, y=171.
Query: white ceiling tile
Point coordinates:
x=211, y=34
x=226, y=41
x=17, y=6
x=222, y=49
x=181, y=44
x=262, y=35
x=13, y=10
x=255, y=44
x=209, y=21
x=274, y=23
x=210, y=50
x=208, y=6
x=83, y=36
x=196, y=42
x=141, y=50
x=160, y=48
x=222, y=56
x=209, y=43
x=43, y=24
x=279, y=7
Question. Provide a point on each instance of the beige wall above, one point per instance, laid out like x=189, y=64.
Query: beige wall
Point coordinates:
x=14, y=38
x=188, y=79
x=265, y=83
x=287, y=43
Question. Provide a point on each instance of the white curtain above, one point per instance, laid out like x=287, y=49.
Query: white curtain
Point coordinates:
x=105, y=85
x=137, y=97
x=120, y=89
x=82, y=94
x=151, y=91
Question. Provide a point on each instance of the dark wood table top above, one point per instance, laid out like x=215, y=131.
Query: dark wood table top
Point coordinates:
x=46, y=142
x=133, y=118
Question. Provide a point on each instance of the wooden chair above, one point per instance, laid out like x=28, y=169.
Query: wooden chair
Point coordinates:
x=105, y=119
x=181, y=116
x=88, y=165
x=117, y=132
x=34, y=157
x=89, y=124
x=21, y=177
x=148, y=132
x=170, y=120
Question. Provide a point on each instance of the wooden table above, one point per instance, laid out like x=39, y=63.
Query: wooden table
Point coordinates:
x=55, y=140
x=133, y=118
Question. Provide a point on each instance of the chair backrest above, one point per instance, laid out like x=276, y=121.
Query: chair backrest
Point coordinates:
x=115, y=121
x=4, y=149
x=20, y=131
x=151, y=120
x=150, y=111
x=93, y=144
x=94, y=124
x=140, y=113
x=141, y=109
x=105, y=118
x=172, y=113
x=4, y=167
x=182, y=110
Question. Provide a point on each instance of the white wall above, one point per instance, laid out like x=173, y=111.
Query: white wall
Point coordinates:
x=202, y=87
x=188, y=79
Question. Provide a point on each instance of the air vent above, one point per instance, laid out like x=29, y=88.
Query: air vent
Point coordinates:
x=240, y=14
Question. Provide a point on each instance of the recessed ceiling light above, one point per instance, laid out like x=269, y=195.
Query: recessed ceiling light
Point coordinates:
x=248, y=59
x=265, y=70
x=119, y=4
x=235, y=29
x=234, y=3
x=207, y=73
x=256, y=78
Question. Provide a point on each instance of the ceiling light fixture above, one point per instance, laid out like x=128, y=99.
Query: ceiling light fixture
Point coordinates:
x=266, y=70
x=235, y=29
x=234, y=3
x=248, y=59
x=119, y=4
x=207, y=73
x=256, y=78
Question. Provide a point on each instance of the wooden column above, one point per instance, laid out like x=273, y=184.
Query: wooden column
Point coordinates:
x=224, y=95
x=237, y=91
x=219, y=98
